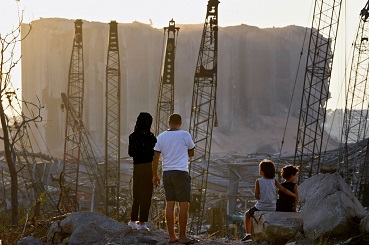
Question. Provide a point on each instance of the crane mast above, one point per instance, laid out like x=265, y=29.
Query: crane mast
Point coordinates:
x=112, y=126
x=88, y=162
x=316, y=85
x=165, y=104
x=353, y=163
x=73, y=128
x=203, y=115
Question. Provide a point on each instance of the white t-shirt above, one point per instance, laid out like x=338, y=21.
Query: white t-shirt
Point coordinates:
x=268, y=195
x=174, y=146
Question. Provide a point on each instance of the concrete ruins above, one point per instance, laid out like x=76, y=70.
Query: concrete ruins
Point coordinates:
x=257, y=69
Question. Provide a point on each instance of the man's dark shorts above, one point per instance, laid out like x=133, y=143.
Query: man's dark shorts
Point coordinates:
x=252, y=211
x=177, y=186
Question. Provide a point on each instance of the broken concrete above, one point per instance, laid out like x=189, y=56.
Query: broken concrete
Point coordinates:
x=329, y=207
x=276, y=227
x=246, y=54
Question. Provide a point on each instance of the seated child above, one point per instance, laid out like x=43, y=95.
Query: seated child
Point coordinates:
x=286, y=203
x=265, y=193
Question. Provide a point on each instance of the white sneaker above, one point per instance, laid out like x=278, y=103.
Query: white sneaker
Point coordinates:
x=133, y=224
x=142, y=227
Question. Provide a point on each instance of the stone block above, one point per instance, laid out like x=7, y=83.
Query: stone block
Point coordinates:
x=276, y=227
x=330, y=209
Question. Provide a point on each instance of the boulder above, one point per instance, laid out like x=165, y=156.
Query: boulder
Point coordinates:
x=276, y=227
x=329, y=207
x=364, y=225
x=86, y=228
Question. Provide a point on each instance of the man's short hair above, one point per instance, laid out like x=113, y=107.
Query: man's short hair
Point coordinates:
x=175, y=119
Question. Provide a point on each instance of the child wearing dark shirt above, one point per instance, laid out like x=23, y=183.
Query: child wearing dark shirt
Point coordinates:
x=287, y=203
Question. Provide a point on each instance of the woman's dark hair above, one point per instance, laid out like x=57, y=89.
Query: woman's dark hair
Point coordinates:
x=268, y=168
x=143, y=123
x=288, y=171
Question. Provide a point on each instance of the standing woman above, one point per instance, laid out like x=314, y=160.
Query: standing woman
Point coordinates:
x=141, y=148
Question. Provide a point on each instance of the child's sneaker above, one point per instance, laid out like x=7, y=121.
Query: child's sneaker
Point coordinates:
x=246, y=238
x=133, y=224
x=142, y=227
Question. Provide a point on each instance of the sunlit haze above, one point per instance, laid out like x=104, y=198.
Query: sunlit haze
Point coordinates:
x=261, y=13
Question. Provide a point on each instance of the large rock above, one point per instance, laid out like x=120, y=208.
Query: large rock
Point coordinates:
x=276, y=227
x=329, y=207
x=86, y=228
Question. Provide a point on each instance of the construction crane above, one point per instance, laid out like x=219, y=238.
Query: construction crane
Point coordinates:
x=73, y=127
x=203, y=115
x=88, y=162
x=353, y=163
x=316, y=85
x=165, y=104
x=112, y=125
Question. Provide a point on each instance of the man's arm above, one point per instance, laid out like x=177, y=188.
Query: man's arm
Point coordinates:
x=191, y=152
x=155, y=163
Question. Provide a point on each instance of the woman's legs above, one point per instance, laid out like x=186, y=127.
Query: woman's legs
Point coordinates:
x=136, y=194
x=142, y=192
x=146, y=192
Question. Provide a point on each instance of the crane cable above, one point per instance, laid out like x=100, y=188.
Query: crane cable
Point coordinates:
x=295, y=82
x=293, y=91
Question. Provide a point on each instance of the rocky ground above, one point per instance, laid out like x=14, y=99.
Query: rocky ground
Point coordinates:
x=330, y=214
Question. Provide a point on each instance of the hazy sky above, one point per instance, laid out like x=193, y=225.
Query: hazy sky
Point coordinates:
x=261, y=13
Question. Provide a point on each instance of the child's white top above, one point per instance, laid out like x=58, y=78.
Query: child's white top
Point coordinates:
x=268, y=195
x=174, y=146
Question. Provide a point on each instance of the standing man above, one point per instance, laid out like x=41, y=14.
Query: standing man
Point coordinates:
x=176, y=146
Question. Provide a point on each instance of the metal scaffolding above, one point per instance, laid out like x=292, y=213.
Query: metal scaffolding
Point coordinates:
x=165, y=104
x=316, y=84
x=112, y=125
x=73, y=127
x=353, y=163
x=203, y=115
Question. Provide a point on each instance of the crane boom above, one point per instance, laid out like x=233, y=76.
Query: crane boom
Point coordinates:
x=316, y=84
x=203, y=111
x=353, y=164
x=165, y=104
x=73, y=128
x=112, y=126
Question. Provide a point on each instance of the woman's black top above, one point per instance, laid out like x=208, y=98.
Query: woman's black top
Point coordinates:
x=141, y=146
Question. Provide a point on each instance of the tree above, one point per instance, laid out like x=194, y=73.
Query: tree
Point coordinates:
x=13, y=120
